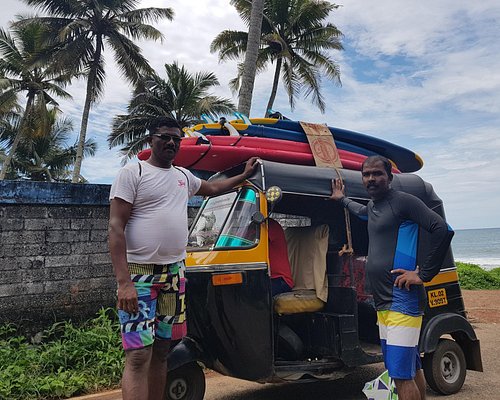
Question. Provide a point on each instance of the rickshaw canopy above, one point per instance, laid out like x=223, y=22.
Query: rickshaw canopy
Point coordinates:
x=316, y=181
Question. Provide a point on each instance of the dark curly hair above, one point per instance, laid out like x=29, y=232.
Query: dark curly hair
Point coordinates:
x=158, y=122
x=373, y=159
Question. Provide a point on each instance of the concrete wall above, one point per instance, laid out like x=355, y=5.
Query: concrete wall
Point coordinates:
x=54, y=261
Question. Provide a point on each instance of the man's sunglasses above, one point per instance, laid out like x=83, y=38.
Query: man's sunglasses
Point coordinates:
x=168, y=138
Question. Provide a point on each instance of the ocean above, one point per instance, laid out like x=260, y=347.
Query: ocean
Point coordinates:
x=477, y=246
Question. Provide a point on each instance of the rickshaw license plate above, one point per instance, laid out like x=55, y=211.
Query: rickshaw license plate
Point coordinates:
x=437, y=297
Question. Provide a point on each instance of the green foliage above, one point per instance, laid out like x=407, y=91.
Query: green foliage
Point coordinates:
x=45, y=157
x=69, y=360
x=296, y=38
x=472, y=276
x=85, y=28
x=26, y=68
x=495, y=272
x=183, y=96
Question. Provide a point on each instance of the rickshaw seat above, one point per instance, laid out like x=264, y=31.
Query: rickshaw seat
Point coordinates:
x=297, y=301
x=307, y=249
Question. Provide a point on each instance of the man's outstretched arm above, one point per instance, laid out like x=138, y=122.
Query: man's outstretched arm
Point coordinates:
x=211, y=188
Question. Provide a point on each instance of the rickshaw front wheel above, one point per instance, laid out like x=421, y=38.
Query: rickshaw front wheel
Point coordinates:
x=445, y=368
x=186, y=383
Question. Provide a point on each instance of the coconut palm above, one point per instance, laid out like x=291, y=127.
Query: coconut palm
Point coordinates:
x=22, y=70
x=251, y=55
x=84, y=27
x=296, y=38
x=182, y=96
x=45, y=157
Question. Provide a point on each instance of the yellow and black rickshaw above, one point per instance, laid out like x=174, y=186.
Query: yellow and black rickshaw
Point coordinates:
x=326, y=325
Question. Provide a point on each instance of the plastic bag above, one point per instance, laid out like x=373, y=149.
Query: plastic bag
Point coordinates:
x=381, y=388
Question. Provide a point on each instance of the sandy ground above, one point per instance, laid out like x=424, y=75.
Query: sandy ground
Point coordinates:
x=482, y=305
x=483, y=308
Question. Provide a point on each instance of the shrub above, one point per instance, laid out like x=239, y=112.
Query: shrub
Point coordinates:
x=69, y=360
x=472, y=276
x=495, y=272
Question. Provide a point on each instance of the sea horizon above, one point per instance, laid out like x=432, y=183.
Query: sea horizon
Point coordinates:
x=479, y=246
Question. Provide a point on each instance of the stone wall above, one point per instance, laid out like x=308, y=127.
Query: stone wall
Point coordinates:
x=54, y=261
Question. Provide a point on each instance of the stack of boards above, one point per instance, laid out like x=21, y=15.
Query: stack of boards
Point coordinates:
x=281, y=141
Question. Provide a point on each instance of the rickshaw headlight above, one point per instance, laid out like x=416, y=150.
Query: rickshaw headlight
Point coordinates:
x=273, y=194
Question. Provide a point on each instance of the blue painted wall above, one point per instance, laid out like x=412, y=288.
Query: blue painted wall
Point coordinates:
x=49, y=193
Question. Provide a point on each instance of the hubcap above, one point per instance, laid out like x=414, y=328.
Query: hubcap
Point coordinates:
x=450, y=367
x=177, y=389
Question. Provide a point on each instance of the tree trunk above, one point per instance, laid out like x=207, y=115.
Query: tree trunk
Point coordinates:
x=17, y=139
x=251, y=54
x=86, y=111
x=275, y=86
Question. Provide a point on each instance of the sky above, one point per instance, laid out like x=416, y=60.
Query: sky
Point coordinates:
x=422, y=74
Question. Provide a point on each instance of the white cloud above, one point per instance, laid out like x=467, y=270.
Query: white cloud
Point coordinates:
x=421, y=74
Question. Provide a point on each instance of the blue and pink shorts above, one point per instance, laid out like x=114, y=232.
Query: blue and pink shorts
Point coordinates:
x=162, y=309
x=399, y=335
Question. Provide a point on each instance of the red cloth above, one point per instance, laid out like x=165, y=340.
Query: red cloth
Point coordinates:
x=358, y=270
x=278, y=253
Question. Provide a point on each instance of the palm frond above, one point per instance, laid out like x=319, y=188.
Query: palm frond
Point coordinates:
x=297, y=33
x=128, y=57
x=229, y=44
x=147, y=15
x=182, y=96
x=57, y=8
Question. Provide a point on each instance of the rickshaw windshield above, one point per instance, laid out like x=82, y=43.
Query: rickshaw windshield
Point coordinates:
x=225, y=221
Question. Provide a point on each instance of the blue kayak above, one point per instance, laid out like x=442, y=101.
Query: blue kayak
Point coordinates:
x=405, y=159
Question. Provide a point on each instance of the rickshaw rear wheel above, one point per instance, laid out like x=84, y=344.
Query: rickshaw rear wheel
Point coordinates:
x=186, y=383
x=445, y=368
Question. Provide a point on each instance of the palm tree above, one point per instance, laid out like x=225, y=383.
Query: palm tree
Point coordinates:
x=22, y=70
x=45, y=157
x=84, y=27
x=251, y=55
x=296, y=37
x=182, y=96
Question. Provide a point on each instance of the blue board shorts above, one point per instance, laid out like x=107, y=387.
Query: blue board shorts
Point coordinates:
x=399, y=335
x=162, y=309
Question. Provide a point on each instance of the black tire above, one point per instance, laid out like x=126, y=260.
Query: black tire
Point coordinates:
x=445, y=368
x=186, y=383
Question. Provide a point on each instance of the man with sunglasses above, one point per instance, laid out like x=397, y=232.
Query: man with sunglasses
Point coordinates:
x=148, y=231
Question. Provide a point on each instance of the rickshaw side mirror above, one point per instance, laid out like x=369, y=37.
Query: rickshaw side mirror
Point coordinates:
x=258, y=218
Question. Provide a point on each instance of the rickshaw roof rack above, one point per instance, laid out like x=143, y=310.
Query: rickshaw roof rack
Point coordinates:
x=316, y=181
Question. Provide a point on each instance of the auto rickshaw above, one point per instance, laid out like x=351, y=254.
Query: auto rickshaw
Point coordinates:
x=326, y=326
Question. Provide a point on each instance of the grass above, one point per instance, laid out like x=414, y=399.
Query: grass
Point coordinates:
x=70, y=360
x=472, y=276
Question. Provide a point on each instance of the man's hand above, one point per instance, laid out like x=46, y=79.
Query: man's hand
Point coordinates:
x=250, y=166
x=127, y=298
x=337, y=190
x=406, y=278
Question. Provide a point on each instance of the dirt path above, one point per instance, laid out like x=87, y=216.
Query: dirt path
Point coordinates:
x=482, y=305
